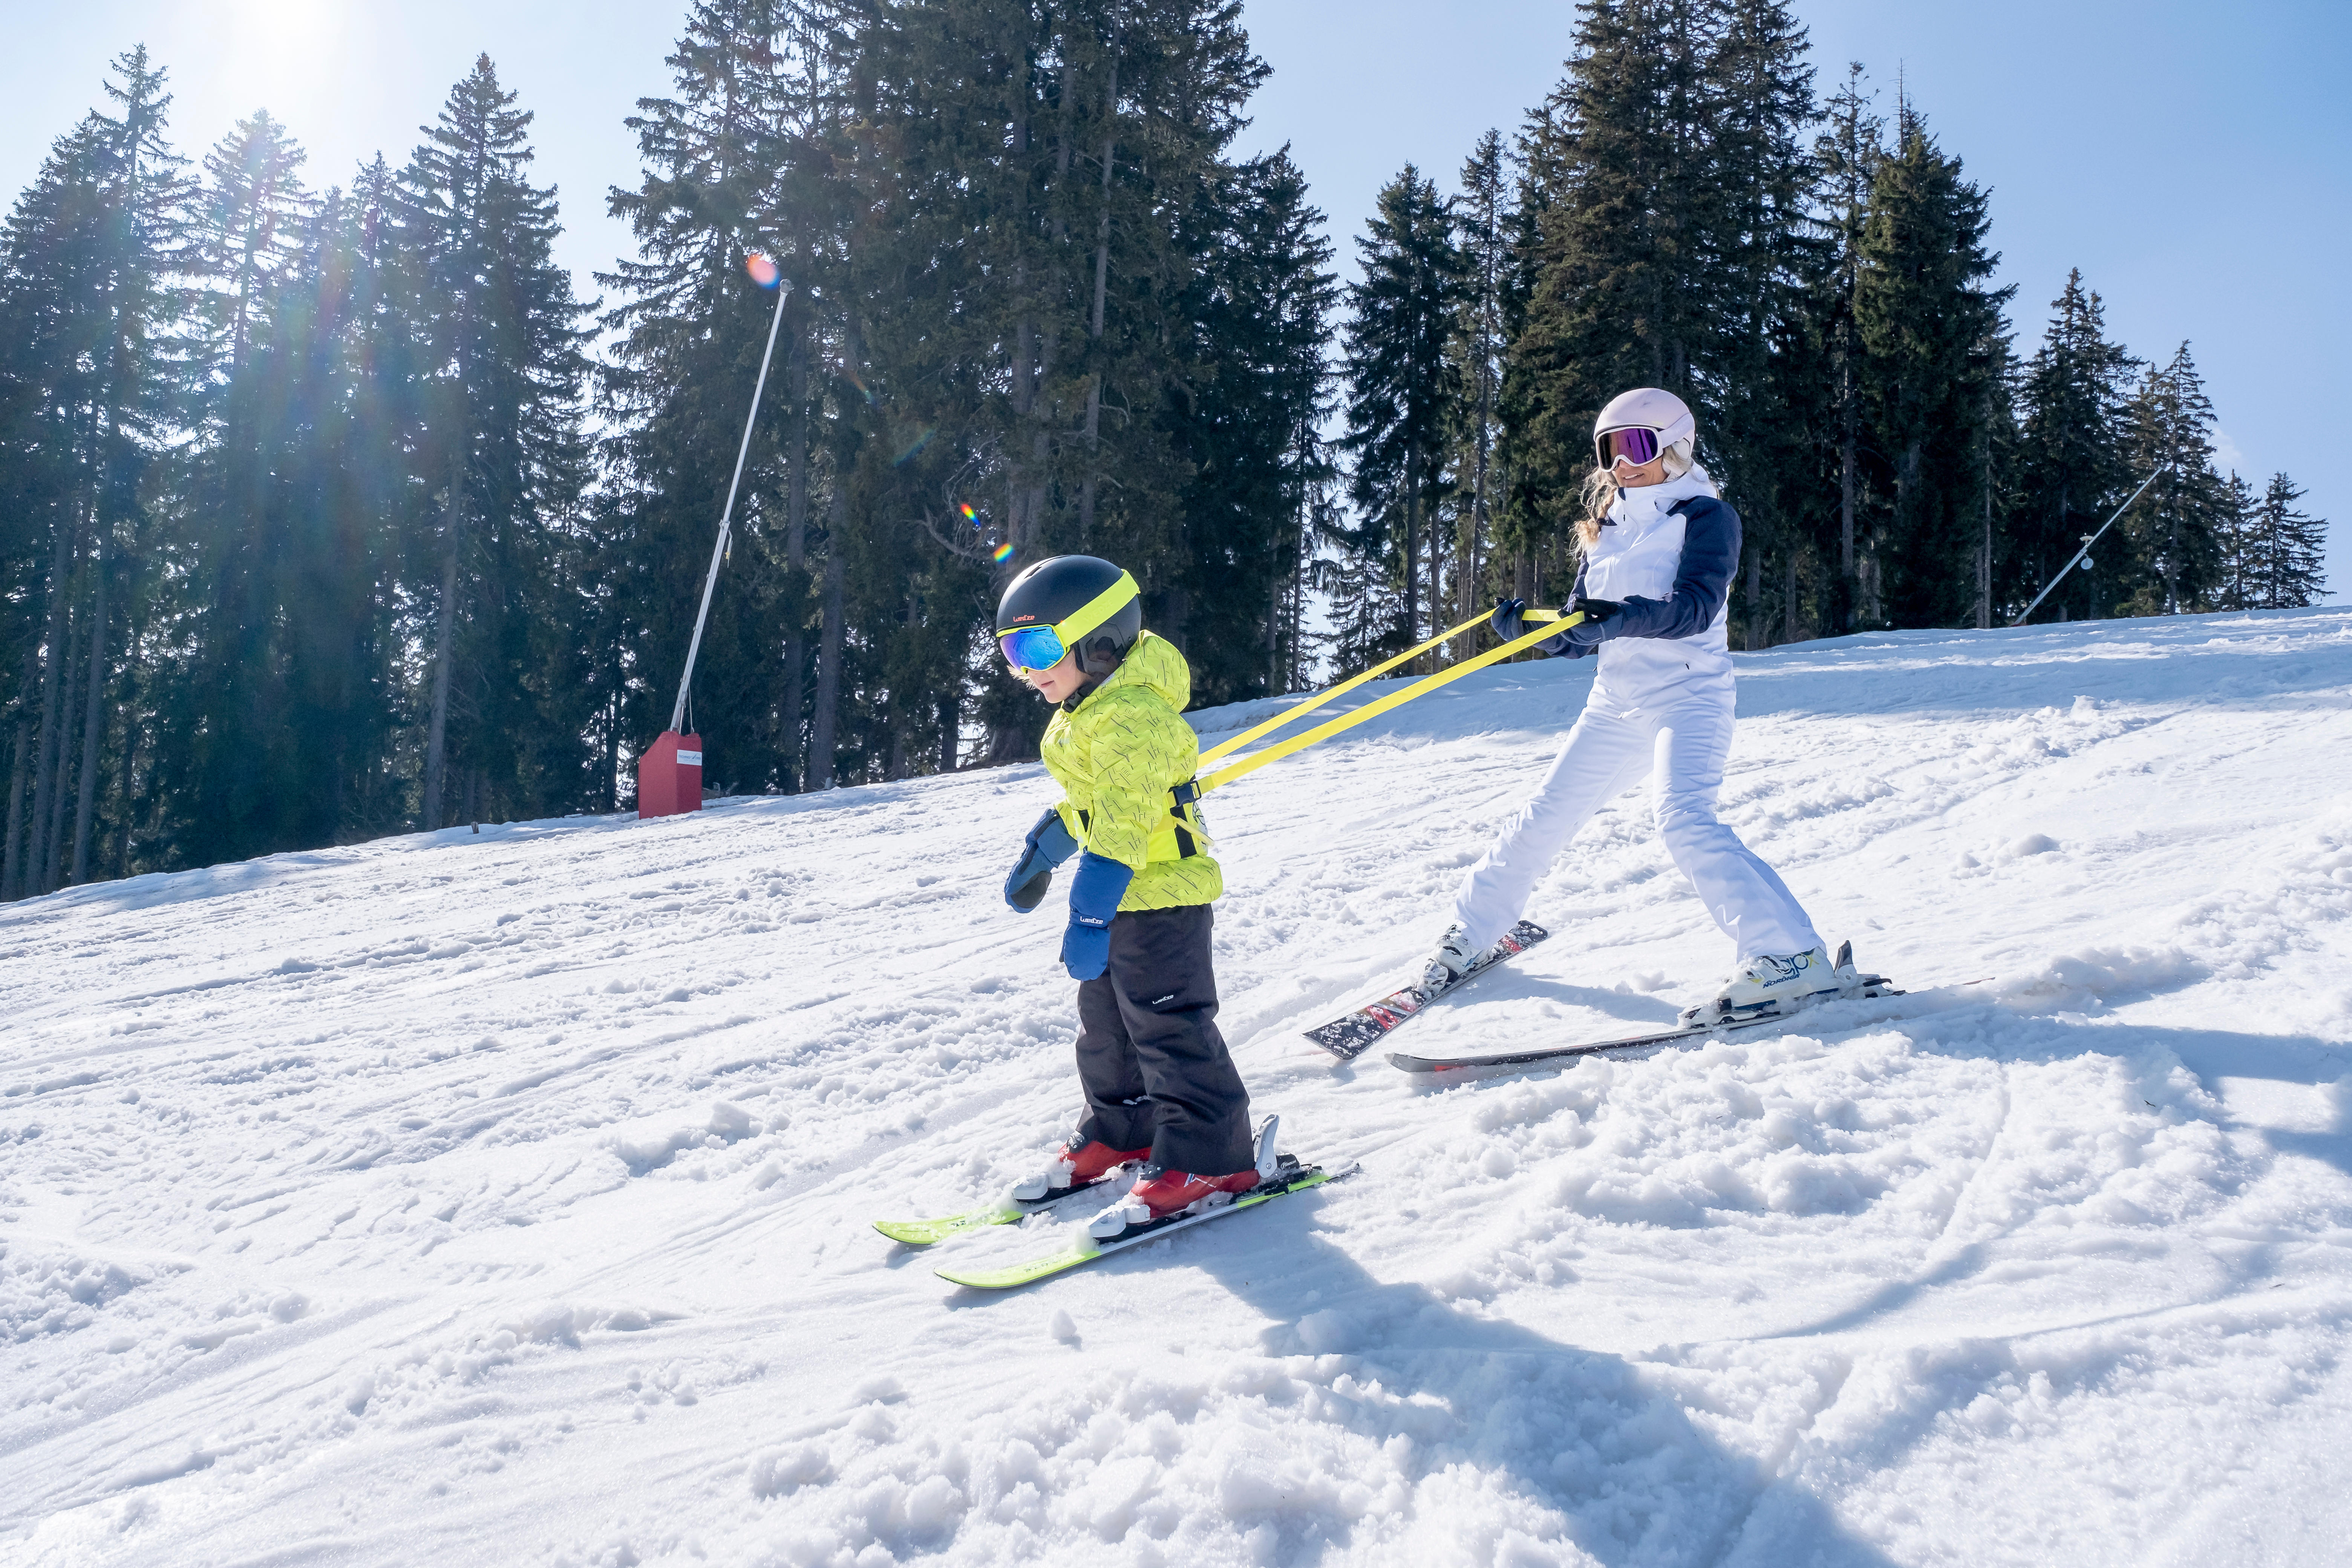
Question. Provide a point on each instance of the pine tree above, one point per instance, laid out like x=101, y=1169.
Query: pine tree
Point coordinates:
x=501, y=340
x=1484, y=219
x=228, y=750
x=1628, y=227
x=2291, y=549
x=2074, y=468
x=1850, y=152
x=1250, y=430
x=1763, y=254
x=2178, y=530
x=1931, y=332
x=1401, y=383
x=2240, y=587
x=89, y=308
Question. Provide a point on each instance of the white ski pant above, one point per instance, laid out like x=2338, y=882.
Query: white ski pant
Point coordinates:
x=1681, y=742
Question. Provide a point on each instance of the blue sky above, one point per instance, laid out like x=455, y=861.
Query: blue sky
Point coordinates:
x=2191, y=159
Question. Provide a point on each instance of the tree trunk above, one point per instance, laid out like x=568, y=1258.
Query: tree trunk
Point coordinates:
x=1788, y=597
x=1755, y=623
x=93, y=713
x=1412, y=548
x=437, y=727
x=1436, y=581
x=1984, y=561
x=828, y=647
x=53, y=830
x=44, y=749
x=1094, y=327
x=951, y=727
x=795, y=562
x=133, y=729
x=12, y=857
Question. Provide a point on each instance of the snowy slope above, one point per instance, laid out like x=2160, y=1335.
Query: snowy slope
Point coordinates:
x=504, y=1199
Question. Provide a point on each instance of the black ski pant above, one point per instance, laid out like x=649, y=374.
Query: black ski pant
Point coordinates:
x=1154, y=1068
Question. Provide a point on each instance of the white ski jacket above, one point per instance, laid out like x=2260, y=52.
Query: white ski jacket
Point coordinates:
x=1667, y=554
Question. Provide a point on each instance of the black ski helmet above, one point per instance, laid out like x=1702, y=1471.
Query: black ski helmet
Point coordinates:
x=1058, y=588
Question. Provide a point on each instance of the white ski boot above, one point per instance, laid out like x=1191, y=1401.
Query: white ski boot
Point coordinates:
x=1766, y=985
x=1450, y=963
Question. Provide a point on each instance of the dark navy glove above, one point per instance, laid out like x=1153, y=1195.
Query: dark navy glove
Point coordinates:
x=1095, y=893
x=1509, y=621
x=1048, y=845
x=1593, y=631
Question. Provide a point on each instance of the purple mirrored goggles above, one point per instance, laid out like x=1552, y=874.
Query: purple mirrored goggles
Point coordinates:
x=1634, y=444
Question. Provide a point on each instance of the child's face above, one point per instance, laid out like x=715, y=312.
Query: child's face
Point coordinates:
x=1056, y=685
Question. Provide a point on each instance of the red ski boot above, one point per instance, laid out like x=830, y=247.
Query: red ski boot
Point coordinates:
x=1165, y=1193
x=1080, y=1162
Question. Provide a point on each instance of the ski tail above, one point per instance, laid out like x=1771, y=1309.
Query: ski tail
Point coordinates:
x=1348, y=1037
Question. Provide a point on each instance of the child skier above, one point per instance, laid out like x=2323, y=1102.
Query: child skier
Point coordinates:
x=1659, y=547
x=1159, y=1085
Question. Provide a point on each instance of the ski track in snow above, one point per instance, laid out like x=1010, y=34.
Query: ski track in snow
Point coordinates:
x=505, y=1199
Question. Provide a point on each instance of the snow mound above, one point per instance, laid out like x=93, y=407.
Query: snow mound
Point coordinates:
x=506, y=1198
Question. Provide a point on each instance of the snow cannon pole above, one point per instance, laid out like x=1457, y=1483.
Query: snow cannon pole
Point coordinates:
x=1236, y=743
x=1552, y=626
x=670, y=771
x=2086, y=547
x=727, y=517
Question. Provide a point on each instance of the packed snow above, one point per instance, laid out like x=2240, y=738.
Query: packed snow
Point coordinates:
x=506, y=1197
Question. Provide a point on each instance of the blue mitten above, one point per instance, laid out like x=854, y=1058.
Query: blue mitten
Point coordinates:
x=1509, y=621
x=1048, y=845
x=1095, y=893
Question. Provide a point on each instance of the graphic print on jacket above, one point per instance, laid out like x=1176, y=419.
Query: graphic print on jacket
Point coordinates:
x=1667, y=554
x=1117, y=753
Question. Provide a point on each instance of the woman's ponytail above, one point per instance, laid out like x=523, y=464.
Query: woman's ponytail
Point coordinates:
x=1599, y=490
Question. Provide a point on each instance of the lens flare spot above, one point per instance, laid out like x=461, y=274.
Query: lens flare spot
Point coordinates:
x=762, y=268
x=970, y=515
x=1001, y=554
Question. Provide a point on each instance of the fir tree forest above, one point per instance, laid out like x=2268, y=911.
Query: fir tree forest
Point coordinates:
x=330, y=508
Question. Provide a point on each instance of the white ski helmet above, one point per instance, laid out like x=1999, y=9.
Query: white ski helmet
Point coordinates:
x=1665, y=416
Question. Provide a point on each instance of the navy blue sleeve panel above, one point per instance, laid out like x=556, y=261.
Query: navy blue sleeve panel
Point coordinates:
x=1702, y=581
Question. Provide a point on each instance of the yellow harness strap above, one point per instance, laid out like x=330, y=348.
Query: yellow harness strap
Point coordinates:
x=1235, y=742
x=1550, y=625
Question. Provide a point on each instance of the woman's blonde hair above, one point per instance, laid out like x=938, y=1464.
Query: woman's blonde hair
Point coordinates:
x=1599, y=489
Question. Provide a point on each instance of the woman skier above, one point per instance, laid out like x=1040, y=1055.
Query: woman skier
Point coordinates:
x=1159, y=1085
x=1658, y=550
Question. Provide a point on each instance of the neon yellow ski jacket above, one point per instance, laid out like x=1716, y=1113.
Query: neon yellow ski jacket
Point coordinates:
x=1117, y=755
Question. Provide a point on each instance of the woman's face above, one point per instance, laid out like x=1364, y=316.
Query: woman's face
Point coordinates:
x=1629, y=477
x=1054, y=685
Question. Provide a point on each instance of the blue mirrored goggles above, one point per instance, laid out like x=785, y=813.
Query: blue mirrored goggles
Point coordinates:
x=1033, y=648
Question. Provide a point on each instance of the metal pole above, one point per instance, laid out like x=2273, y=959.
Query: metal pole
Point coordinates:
x=727, y=518
x=2086, y=546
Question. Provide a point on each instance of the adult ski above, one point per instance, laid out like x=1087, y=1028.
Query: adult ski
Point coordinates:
x=1006, y=1210
x=1348, y=1037
x=1289, y=1176
x=1863, y=987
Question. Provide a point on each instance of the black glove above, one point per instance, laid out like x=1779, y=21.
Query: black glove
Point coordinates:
x=1593, y=629
x=1509, y=621
x=1048, y=845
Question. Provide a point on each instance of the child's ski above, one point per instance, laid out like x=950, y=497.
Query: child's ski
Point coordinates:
x=1347, y=1038
x=1289, y=1176
x=1006, y=1210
